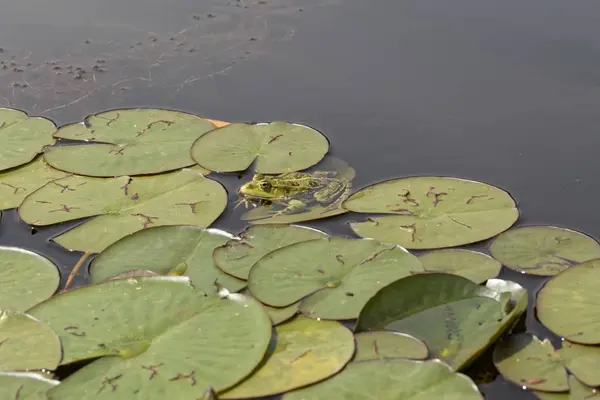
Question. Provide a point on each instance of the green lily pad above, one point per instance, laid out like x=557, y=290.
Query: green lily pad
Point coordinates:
x=432, y=212
x=161, y=336
x=392, y=379
x=123, y=206
x=569, y=303
x=333, y=276
x=24, y=385
x=577, y=391
x=383, y=344
x=27, y=344
x=278, y=315
x=274, y=148
x=582, y=361
x=26, y=278
x=476, y=266
x=18, y=183
x=530, y=362
x=236, y=257
x=179, y=250
x=22, y=137
x=306, y=352
x=543, y=250
x=128, y=142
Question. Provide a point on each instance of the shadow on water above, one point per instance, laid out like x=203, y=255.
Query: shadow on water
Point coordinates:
x=501, y=92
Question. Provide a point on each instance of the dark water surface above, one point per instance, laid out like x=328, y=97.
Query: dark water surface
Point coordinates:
x=505, y=92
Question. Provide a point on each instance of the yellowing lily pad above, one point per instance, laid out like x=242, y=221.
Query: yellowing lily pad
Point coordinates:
x=476, y=266
x=22, y=137
x=582, y=361
x=274, y=148
x=543, y=250
x=432, y=212
x=379, y=345
x=333, y=276
x=24, y=385
x=123, y=205
x=306, y=352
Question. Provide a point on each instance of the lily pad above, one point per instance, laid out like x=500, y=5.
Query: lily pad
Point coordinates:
x=569, y=303
x=123, y=206
x=278, y=315
x=577, y=391
x=383, y=344
x=163, y=336
x=306, y=352
x=185, y=250
x=582, y=361
x=17, y=183
x=333, y=276
x=236, y=257
x=432, y=212
x=26, y=278
x=25, y=385
x=476, y=266
x=530, y=362
x=128, y=142
x=392, y=379
x=22, y=137
x=543, y=250
x=27, y=344
x=274, y=148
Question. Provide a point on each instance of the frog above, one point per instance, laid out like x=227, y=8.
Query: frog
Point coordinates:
x=296, y=191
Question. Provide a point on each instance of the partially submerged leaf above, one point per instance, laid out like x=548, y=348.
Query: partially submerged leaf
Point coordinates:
x=165, y=250
x=306, y=352
x=392, y=379
x=582, y=361
x=379, y=345
x=128, y=142
x=569, y=303
x=432, y=212
x=26, y=278
x=27, y=344
x=123, y=205
x=543, y=250
x=334, y=276
x=473, y=265
x=236, y=257
x=24, y=385
x=577, y=391
x=275, y=148
x=18, y=183
x=527, y=361
x=22, y=137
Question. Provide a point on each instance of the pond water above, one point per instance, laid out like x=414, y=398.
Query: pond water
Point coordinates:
x=504, y=92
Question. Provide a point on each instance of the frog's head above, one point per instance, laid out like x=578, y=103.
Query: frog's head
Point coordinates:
x=260, y=187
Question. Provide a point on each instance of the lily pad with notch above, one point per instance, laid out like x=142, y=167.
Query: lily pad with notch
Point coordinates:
x=581, y=361
x=128, y=142
x=334, y=276
x=123, y=206
x=22, y=137
x=274, y=148
x=543, y=250
x=577, y=391
x=476, y=266
x=377, y=345
x=25, y=385
x=432, y=212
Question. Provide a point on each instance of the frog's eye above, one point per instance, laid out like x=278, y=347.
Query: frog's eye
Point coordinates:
x=265, y=185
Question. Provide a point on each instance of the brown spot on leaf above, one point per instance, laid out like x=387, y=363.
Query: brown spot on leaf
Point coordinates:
x=460, y=223
x=340, y=259
x=152, y=369
x=437, y=197
x=191, y=205
x=300, y=356
x=64, y=187
x=191, y=376
x=116, y=150
x=65, y=208
x=473, y=198
x=109, y=382
x=148, y=220
x=15, y=188
x=274, y=138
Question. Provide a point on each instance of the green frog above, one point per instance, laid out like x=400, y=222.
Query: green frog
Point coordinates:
x=296, y=191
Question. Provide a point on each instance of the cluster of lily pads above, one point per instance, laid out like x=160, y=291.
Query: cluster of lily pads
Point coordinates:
x=176, y=309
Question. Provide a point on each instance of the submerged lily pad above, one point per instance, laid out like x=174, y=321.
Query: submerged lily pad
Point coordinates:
x=333, y=276
x=476, y=266
x=164, y=336
x=27, y=344
x=123, y=205
x=22, y=137
x=528, y=361
x=128, y=142
x=569, y=303
x=432, y=212
x=236, y=257
x=383, y=344
x=392, y=379
x=582, y=361
x=543, y=250
x=18, y=183
x=24, y=385
x=275, y=148
x=306, y=352
x=26, y=278
x=180, y=250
